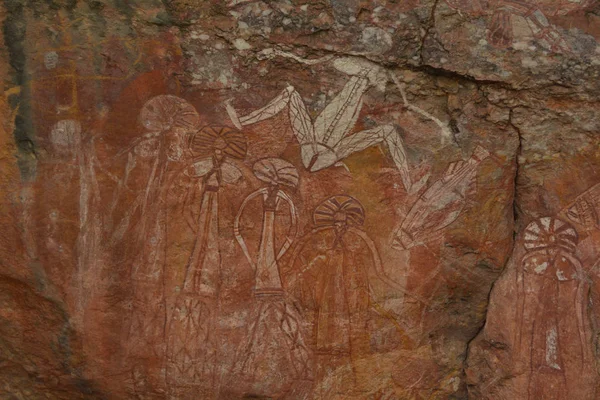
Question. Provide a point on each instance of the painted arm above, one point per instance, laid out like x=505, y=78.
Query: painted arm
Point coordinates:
x=520, y=304
x=378, y=266
x=236, y=224
x=581, y=297
x=298, y=248
x=446, y=134
x=293, y=231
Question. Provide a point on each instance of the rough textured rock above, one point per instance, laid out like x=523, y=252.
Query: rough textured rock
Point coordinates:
x=337, y=199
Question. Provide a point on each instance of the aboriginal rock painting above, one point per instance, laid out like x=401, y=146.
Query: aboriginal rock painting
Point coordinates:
x=552, y=324
x=501, y=15
x=273, y=352
x=440, y=204
x=168, y=120
x=192, y=350
x=188, y=216
x=326, y=141
x=330, y=278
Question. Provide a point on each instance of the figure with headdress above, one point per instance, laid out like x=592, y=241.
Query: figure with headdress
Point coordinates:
x=330, y=271
x=552, y=322
x=273, y=359
x=192, y=348
x=152, y=162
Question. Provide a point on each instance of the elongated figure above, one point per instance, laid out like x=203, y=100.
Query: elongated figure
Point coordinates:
x=154, y=160
x=331, y=266
x=192, y=348
x=552, y=323
x=273, y=359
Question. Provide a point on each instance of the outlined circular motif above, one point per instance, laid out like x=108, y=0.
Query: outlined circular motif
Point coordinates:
x=219, y=140
x=550, y=232
x=165, y=112
x=276, y=171
x=339, y=209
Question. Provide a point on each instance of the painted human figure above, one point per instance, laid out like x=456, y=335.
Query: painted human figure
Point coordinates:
x=553, y=325
x=153, y=160
x=330, y=268
x=273, y=359
x=192, y=349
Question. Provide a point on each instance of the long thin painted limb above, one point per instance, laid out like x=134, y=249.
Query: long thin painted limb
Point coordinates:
x=300, y=120
x=581, y=296
x=364, y=139
x=340, y=115
x=382, y=134
x=446, y=134
x=293, y=231
x=581, y=300
x=270, y=110
x=236, y=225
x=520, y=305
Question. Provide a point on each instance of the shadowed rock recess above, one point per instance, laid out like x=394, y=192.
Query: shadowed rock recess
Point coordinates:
x=294, y=199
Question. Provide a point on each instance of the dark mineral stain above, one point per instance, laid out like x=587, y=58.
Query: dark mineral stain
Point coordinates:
x=14, y=31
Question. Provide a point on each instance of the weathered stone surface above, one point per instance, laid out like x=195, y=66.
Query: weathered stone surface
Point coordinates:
x=338, y=199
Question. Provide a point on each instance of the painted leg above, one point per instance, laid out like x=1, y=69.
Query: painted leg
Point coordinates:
x=370, y=137
x=303, y=128
x=339, y=117
x=273, y=108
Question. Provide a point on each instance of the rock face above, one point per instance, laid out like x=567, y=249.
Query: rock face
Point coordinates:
x=333, y=199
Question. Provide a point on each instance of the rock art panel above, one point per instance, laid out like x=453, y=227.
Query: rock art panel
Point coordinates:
x=299, y=200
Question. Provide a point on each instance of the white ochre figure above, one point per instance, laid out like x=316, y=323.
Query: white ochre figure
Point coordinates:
x=326, y=141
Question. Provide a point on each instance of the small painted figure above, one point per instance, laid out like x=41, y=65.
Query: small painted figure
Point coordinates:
x=535, y=13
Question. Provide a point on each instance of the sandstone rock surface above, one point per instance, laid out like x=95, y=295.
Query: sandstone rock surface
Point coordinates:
x=332, y=199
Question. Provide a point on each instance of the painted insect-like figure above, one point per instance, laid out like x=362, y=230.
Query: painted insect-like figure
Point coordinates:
x=330, y=270
x=274, y=352
x=154, y=160
x=553, y=326
x=440, y=204
x=193, y=330
x=500, y=32
x=326, y=140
